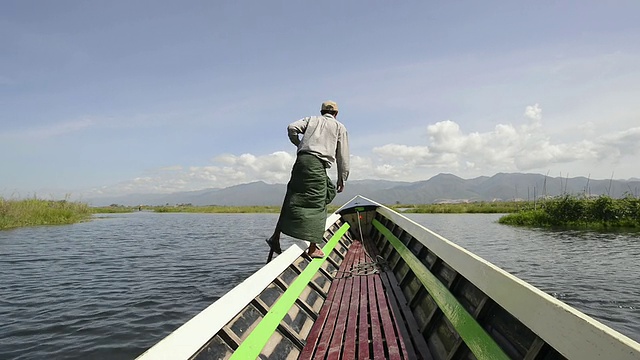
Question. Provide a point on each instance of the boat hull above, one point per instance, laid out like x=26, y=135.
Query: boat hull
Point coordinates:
x=444, y=301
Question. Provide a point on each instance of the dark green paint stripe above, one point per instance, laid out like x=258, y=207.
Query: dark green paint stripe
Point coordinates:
x=474, y=336
x=255, y=342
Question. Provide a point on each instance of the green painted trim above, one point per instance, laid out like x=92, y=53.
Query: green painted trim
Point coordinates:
x=475, y=337
x=255, y=342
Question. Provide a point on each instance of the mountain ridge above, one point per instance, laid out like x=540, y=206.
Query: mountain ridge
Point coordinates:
x=442, y=187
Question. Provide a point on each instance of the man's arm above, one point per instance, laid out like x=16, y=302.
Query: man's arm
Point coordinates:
x=342, y=159
x=296, y=128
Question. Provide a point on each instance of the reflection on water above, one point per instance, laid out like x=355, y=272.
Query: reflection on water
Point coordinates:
x=596, y=273
x=112, y=287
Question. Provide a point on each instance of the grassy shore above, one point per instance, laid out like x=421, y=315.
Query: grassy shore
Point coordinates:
x=576, y=212
x=480, y=207
x=465, y=208
x=565, y=211
x=30, y=212
x=113, y=209
x=216, y=209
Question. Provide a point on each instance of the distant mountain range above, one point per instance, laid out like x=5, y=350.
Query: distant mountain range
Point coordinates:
x=440, y=188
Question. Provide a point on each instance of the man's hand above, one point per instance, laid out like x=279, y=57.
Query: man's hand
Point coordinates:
x=339, y=188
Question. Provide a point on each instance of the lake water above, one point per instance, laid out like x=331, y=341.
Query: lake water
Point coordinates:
x=112, y=287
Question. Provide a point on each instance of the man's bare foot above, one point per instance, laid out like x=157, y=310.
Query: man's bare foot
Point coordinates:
x=315, y=254
x=274, y=245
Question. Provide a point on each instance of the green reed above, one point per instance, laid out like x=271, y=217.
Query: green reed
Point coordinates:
x=580, y=212
x=460, y=208
x=217, y=209
x=31, y=212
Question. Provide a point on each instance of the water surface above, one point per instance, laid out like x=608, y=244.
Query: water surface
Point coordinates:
x=112, y=287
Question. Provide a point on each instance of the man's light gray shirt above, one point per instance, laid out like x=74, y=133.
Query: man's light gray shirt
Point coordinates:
x=325, y=137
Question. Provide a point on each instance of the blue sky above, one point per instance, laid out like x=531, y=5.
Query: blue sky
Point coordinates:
x=115, y=97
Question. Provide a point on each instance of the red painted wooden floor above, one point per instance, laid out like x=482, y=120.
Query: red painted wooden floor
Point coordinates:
x=365, y=315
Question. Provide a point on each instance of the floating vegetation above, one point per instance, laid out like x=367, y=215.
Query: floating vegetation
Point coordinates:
x=582, y=212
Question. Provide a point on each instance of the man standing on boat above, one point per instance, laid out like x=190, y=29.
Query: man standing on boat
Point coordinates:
x=304, y=211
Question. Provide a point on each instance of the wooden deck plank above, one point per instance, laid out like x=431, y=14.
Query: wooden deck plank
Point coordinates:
x=348, y=304
x=349, y=352
x=390, y=334
x=362, y=318
x=327, y=328
x=363, y=326
x=335, y=348
x=376, y=333
x=414, y=342
x=329, y=325
x=336, y=345
x=318, y=325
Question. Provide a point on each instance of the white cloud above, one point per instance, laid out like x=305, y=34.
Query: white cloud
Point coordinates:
x=523, y=147
x=618, y=144
x=273, y=167
x=533, y=112
x=387, y=171
x=445, y=136
x=367, y=168
x=227, y=170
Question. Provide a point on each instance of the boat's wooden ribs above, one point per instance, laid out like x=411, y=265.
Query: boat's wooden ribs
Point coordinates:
x=404, y=319
x=362, y=318
x=442, y=338
x=288, y=338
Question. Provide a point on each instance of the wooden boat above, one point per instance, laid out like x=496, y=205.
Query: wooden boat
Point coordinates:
x=388, y=289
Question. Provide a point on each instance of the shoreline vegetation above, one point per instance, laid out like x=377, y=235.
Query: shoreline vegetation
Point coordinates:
x=579, y=212
x=565, y=211
x=33, y=212
x=448, y=208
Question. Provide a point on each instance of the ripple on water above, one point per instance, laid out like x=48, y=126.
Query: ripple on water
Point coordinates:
x=111, y=288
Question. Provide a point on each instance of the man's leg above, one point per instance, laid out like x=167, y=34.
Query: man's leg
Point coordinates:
x=314, y=251
x=274, y=240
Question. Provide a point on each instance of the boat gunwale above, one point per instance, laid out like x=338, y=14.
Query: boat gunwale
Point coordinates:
x=191, y=336
x=479, y=342
x=186, y=340
x=590, y=337
x=571, y=332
